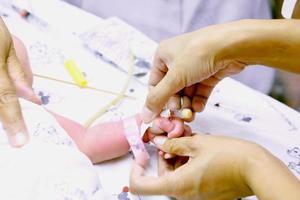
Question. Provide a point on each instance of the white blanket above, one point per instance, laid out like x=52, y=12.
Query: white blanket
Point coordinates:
x=50, y=167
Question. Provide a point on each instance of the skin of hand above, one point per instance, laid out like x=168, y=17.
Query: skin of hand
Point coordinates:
x=192, y=64
x=22, y=55
x=218, y=168
x=182, y=68
x=14, y=81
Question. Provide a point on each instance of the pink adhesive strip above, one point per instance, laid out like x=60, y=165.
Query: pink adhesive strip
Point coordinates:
x=133, y=136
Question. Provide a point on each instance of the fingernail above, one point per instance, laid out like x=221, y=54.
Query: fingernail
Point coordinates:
x=147, y=115
x=19, y=139
x=168, y=156
x=172, y=105
x=38, y=100
x=159, y=141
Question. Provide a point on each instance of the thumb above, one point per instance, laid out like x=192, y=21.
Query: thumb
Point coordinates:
x=158, y=96
x=179, y=146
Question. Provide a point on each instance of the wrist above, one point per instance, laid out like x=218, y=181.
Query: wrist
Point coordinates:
x=241, y=42
x=268, y=178
x=264, y=42
x=256, y=160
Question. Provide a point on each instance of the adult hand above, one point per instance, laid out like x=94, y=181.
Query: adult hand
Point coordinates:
x=13, y=82
x=217, y=168
x=189, y=65
x=192, y=64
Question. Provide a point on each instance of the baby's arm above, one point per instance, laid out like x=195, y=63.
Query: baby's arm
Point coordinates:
x=101, y=142
x=106, y=141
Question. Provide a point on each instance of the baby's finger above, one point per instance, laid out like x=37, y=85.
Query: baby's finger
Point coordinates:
x=178, y=128
x=162, y=125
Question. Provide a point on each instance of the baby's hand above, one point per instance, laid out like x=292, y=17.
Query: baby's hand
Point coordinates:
x=171, y=127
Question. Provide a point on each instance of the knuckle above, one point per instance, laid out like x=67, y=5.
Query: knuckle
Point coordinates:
x=7, y=96
x=173, y=145
x=180, y=75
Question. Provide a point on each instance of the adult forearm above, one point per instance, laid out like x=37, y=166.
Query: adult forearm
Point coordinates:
x=270, y=179
x=274, y=43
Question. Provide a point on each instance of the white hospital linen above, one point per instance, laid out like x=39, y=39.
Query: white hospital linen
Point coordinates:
x=50, y=167
x=238, y=111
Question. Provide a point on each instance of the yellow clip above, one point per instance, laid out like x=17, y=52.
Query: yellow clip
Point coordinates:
x=75, y=73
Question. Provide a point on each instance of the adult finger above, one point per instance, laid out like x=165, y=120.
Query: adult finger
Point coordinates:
x=163, y=166
x=179, y=146
x=158, y=71
x=174, y=102
x=201, y=96
x=22, y=55
x=186, y=102
x=198, y=103
x=142, y=185
x=10, y=111
x=158, y=96
x=189, y=91
x=20, y=80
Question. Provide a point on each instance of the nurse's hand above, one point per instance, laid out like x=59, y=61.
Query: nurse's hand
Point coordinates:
x=216, y=167
x=192, y=64
x=189, y=65
x=14, y=81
